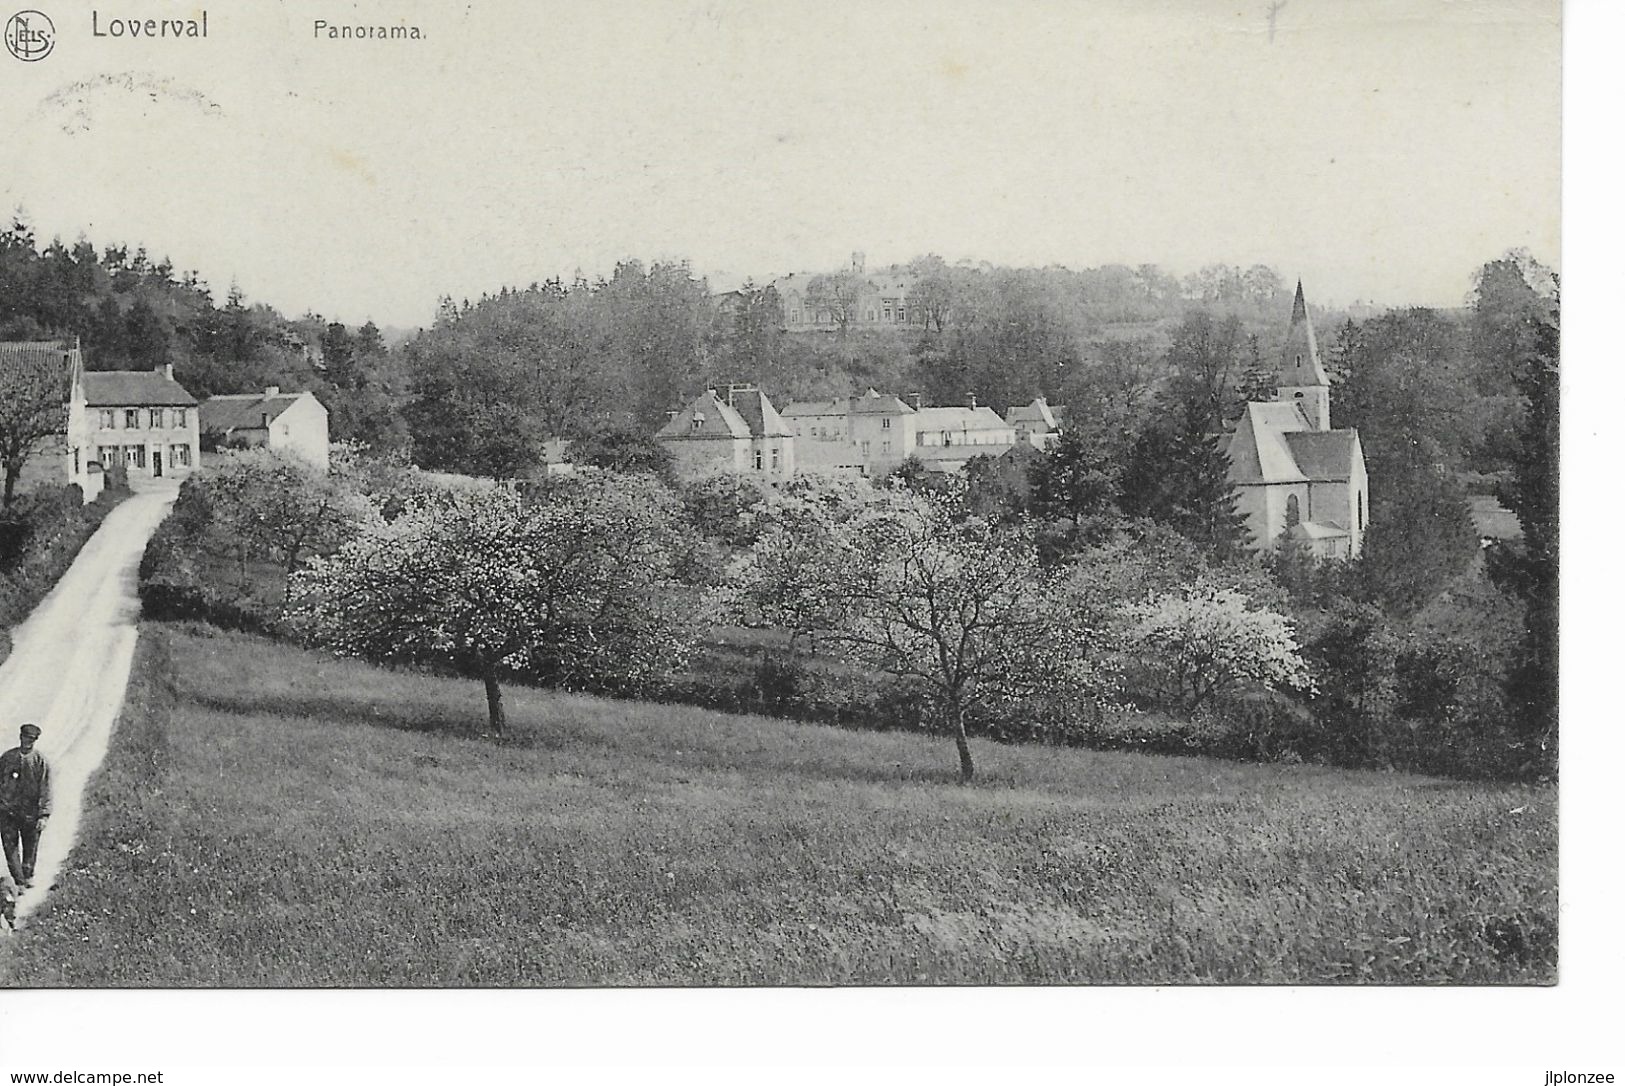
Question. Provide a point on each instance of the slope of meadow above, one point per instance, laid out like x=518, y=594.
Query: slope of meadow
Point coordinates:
x=274, y=817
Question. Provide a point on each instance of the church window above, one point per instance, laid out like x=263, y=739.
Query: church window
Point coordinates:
x=758, y=459
x=1292, y=516
x=1359, y=511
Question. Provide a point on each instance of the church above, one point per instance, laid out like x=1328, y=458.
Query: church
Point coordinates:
x=1292, y=472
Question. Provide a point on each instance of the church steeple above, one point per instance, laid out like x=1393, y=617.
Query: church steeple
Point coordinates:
x=1302, y=379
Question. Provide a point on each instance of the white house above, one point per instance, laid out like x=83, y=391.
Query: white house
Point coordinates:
x=143, y=419
x=291, y=422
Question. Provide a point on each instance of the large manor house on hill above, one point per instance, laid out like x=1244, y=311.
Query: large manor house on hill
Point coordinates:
x=1294, y=475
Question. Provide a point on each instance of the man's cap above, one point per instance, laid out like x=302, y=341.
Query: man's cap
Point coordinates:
x=31, y=731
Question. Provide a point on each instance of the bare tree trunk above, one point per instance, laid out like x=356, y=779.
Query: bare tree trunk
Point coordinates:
x=967, y=768
x=493, y=702
x=11, y=485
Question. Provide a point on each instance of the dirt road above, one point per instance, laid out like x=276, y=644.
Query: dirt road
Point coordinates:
x=69, y=665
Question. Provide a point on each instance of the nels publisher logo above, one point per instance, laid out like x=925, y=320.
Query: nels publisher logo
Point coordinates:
x=30, y=35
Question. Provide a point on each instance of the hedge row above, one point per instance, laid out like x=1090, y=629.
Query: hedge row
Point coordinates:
x=40, y=535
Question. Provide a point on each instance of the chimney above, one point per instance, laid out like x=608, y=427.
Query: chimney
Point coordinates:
x=272, y=390
x=914, y=400
x=167, y=369
x=671, y=416
x=972, y=399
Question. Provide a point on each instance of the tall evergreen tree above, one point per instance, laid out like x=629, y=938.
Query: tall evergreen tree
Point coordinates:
x=1177, y=473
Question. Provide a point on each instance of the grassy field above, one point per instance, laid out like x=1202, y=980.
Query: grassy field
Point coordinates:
x=273, y=817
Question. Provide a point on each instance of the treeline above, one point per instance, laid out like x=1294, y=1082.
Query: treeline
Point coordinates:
x=131, y=311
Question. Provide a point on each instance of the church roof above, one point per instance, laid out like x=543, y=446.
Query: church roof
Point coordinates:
x=1324, y=454
x=1259, y=452
x=1300, y=358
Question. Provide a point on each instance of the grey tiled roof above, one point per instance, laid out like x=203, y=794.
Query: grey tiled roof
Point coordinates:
x=134, y=388
x=243, y=411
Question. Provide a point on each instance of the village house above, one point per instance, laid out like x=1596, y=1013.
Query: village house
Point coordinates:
x=1295, y=475
x=286, y=422
x=141, y=419
x=1035, y=424
x=740, y=435
x=946, y=438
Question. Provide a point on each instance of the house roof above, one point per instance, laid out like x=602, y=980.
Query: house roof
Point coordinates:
x=1324, y=454
x=960, y=419
x=1037, y=411
x=243, y=411
x=1258, y=449
x=134, y=388
x=759, y=414
x=715, y=420
x=875, y=403
x=815, y=408
x=29, y=359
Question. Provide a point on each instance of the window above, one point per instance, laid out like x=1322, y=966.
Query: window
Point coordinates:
x=137, y=454
x=698, y=422
x=76, y=468
x=885, y=424
x=885, y=447
x=132, y=418
x=775, y=459
x=155, y=418
x=109, y=419
x=179, y=419
x=758, y=460
x=108, y=455
x=1292, y=516
x=1359, y=511
x=180, y=456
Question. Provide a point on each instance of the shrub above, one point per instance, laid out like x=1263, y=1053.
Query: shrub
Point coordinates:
x=1204, y=640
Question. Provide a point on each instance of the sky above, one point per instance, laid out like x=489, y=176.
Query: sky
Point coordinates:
x=1381, y=150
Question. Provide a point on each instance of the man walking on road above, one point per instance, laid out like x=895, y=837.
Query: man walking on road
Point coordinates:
x=25, y=803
